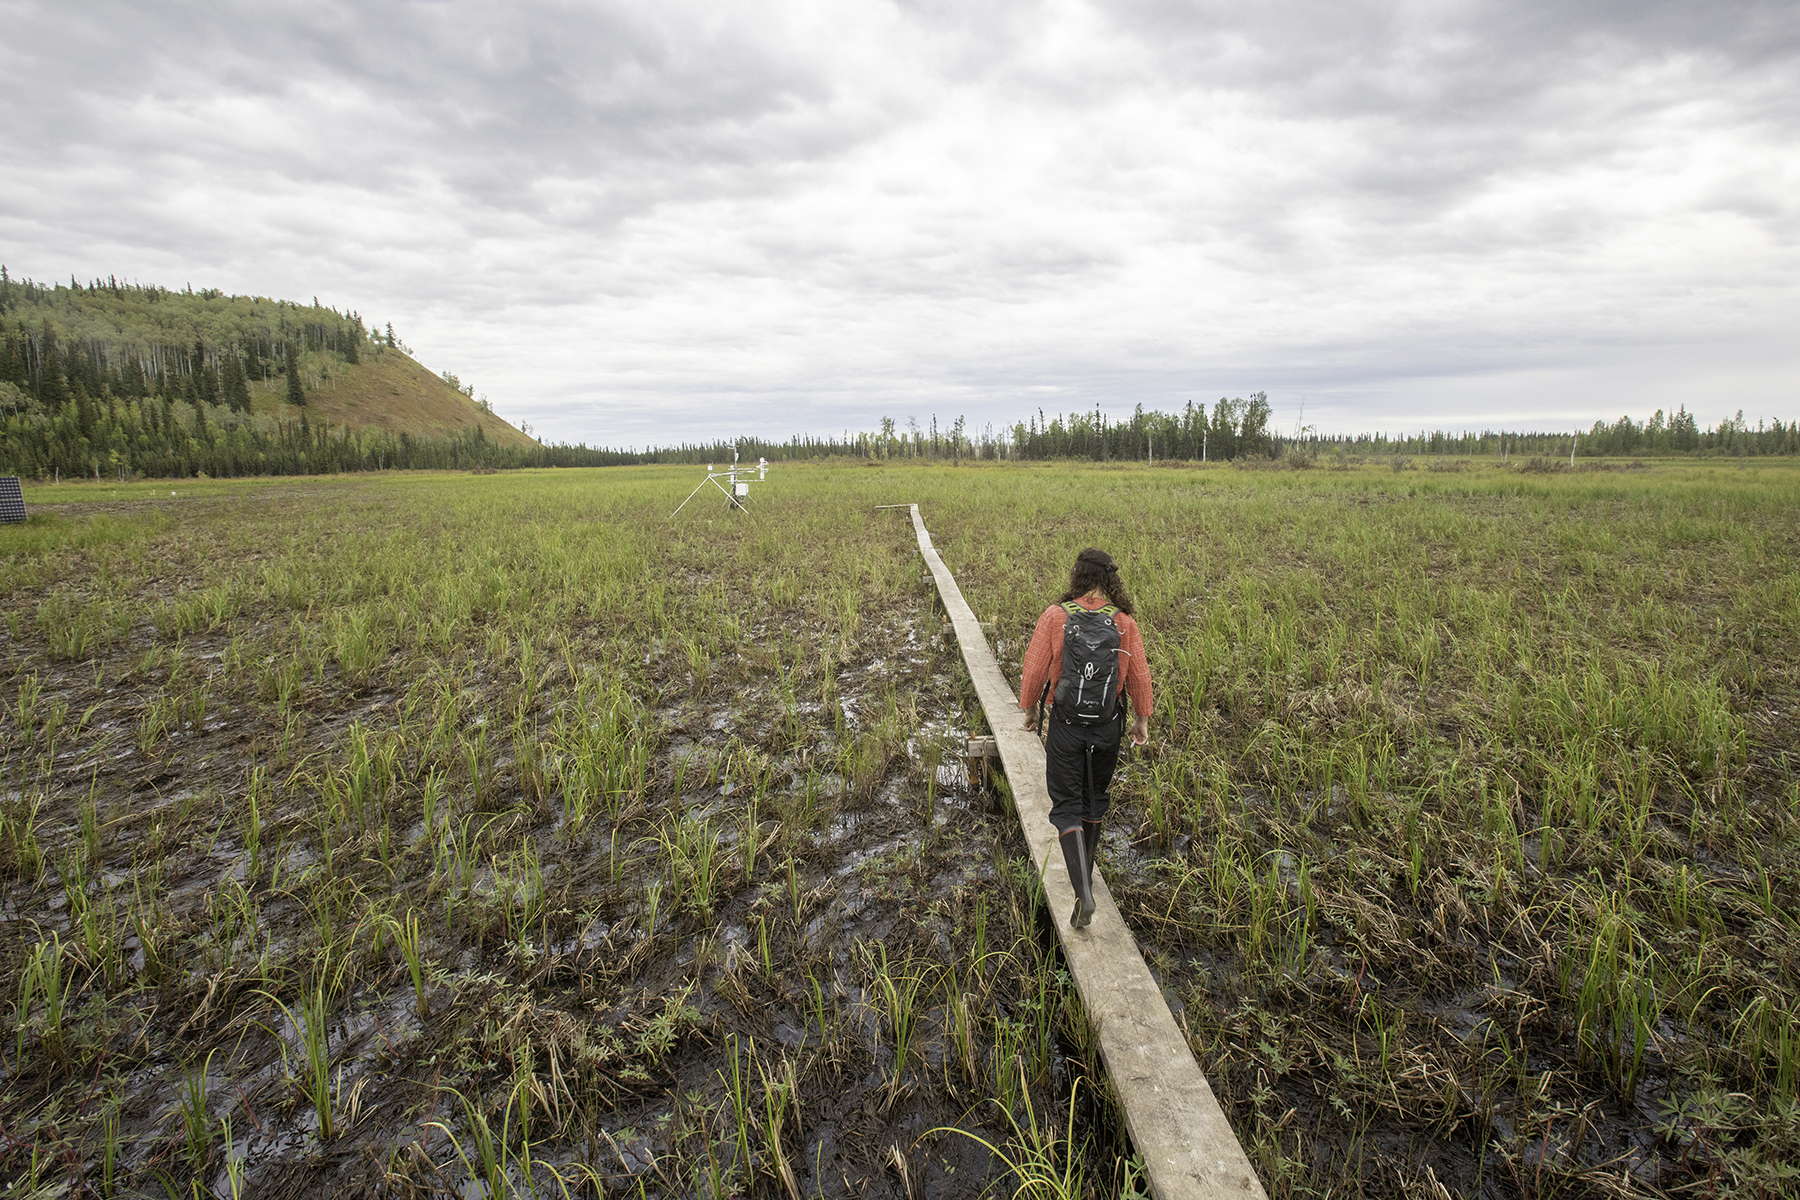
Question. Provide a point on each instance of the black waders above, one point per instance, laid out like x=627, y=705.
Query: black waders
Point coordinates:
x=1078, y=852
x=1075, y=856
x=1074, y=796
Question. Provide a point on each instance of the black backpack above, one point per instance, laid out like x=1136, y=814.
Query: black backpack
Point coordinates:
x=1088, y=692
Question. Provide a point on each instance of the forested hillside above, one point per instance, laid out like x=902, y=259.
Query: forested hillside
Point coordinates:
x=109, y=378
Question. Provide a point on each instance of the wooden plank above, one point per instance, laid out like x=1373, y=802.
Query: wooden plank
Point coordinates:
x=1175, y=1122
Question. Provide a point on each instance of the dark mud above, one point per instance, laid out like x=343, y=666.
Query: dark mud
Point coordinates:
x=760, y=935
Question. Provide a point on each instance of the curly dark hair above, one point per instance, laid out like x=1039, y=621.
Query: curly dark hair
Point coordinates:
x=1096, y=569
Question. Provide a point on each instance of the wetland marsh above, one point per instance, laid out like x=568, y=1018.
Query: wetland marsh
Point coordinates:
x=457, y=835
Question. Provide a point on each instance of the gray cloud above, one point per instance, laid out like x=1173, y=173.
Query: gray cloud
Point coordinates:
x=631, y=223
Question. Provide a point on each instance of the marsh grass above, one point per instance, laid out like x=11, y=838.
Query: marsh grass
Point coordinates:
x=487, y=847
x=1466, y=836
x=458, y=856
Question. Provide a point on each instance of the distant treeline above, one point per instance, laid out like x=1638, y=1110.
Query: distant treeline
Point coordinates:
x=1238, y=429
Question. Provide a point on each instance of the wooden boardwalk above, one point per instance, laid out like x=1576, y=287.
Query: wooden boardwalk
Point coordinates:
x=1190, y=1152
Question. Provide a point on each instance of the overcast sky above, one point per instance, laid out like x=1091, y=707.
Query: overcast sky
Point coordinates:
x=633, y=223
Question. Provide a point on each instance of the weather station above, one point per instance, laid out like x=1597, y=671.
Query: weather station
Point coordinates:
x=733, y=481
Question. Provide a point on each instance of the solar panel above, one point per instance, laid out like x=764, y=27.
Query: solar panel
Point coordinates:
x=12, y=500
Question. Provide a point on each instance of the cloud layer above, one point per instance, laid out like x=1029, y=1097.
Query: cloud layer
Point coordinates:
x=633, y=223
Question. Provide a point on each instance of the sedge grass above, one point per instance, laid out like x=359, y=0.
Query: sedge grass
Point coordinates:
x=1493, y=752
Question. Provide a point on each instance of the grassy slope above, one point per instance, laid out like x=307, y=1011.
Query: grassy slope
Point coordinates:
x=387, y=390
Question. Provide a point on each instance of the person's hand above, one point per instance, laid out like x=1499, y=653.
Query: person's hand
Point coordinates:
x=1140, y=730
x=1031, y=722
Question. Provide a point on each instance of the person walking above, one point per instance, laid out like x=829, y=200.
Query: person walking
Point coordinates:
x=1088, y=647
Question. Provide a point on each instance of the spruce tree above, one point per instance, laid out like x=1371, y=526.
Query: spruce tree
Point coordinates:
x=12, y=365
x=296, y=395
x=237, y=392
x=53, y=388
x=86, y=413
x=206, y=382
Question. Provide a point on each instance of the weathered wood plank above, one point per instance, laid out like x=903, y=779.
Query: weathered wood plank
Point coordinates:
x=1189, y=1149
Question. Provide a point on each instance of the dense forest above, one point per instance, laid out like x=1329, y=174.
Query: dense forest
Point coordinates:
x=110, y=379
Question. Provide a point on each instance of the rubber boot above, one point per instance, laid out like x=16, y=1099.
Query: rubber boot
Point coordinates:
x=1090, y=834
x=1074, y=848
